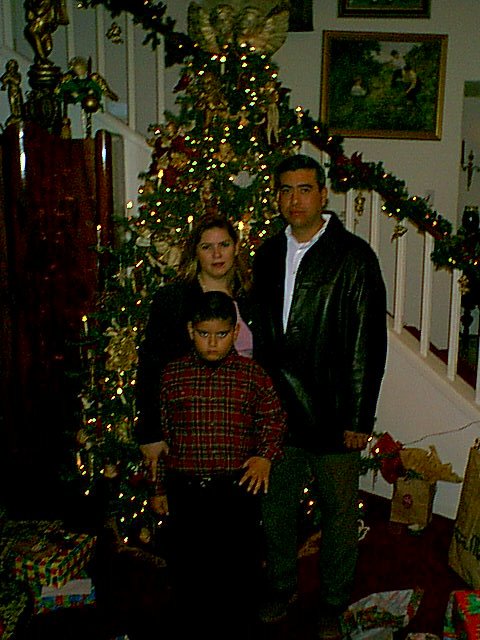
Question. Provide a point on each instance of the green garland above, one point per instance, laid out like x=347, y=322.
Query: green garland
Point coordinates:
x=151, y=16
x=460, y=251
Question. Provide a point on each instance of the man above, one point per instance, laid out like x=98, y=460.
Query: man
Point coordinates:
x=321, y=334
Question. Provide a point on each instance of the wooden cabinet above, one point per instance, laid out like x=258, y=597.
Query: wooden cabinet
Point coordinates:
x=55, y=208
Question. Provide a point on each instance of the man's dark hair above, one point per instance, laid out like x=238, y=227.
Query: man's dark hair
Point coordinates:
x=213, y=305
x=300, y=161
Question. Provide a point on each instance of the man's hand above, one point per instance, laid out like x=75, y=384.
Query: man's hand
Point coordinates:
x=256, y=475
x=355, y=441
x=159, y=504
x=151, y=453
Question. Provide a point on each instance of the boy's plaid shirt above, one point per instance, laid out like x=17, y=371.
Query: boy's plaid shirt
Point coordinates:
x=214, y=417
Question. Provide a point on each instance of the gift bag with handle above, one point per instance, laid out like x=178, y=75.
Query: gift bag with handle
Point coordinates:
x=464, y=552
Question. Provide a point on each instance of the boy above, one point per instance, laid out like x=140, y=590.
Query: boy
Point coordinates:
x=223, y=424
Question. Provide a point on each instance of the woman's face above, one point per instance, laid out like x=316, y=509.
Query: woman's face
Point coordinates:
x=216, y=253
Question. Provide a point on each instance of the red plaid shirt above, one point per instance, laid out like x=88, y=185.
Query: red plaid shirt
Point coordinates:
x=215, y=417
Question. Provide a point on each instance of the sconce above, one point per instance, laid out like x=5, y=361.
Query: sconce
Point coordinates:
x=468, y=166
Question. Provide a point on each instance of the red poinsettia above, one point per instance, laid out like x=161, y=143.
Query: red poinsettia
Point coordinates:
x=388, y=449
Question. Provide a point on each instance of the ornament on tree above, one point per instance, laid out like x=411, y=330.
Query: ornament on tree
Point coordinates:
x=111, y=471
x=225, y=152
x=121, y=349
x=209, y=200
x=210, y=99
x=83, y=438
x=273, y=114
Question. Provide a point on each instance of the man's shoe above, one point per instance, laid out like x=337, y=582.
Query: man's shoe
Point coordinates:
x=329, y=627
x=277, y=607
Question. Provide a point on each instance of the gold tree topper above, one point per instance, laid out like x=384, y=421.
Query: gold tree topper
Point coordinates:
x=250, y=27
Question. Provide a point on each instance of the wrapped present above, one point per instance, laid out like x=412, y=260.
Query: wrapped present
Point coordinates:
x=76, y=593
x=43, y=552
x=379, y=615
x=462, y=618
x=412, y=501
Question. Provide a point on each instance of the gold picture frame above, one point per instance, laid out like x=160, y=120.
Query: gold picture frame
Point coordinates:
x=385, y=9
x=383, y=85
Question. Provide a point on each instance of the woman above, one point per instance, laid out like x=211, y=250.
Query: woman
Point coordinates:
x=210, y=262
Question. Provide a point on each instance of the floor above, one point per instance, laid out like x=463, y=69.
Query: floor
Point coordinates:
x=133, y=594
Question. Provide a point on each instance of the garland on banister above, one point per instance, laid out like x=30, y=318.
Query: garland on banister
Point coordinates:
x=460, y=251
x=151, y=16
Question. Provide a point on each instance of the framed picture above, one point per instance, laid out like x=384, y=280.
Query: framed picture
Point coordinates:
x=383, y=85
x=384, y=9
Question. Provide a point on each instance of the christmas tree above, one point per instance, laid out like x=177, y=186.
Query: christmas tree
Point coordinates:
x=217, y=154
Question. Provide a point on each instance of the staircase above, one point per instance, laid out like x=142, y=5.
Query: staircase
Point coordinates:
x=424, y=400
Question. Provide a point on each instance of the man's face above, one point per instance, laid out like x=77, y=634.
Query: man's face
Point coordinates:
x=213, y=339
x=302, y=202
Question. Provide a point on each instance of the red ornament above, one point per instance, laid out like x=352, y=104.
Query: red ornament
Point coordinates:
x=137, y=479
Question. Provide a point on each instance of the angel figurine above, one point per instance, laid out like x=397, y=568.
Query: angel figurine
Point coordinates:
x=81, y=85
x=225, y=25
x=43, y=17
x=11, y=82
x=273, y=114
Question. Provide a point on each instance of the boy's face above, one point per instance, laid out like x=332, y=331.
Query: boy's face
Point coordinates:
x=213, y=339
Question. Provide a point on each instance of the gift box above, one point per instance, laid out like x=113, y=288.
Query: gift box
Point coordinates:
x=379, y=615
x=412, y=501
x=76, y=593
x=462, y=618
x=45, y=553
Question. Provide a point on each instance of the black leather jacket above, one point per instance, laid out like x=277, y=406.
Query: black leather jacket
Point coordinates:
x=328, y=365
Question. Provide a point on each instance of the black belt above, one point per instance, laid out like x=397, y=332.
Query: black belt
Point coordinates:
x=205, y=480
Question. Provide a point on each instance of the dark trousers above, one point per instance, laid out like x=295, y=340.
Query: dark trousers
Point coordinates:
x=336, y=484
x=215, y=551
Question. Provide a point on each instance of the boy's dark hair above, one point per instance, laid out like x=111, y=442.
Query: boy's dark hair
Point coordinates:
x=213, y=305
x=300, y=161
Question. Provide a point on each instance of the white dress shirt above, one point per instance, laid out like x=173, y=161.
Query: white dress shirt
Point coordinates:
x=295, y=252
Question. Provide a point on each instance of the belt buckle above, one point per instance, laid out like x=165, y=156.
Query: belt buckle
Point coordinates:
x=205, y=481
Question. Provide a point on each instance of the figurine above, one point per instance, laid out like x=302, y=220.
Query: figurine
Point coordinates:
x=11, y=82
x=43, y=17
x=273, y=114
x=81, y=85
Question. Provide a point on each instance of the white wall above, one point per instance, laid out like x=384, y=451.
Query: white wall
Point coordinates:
x=419, y=408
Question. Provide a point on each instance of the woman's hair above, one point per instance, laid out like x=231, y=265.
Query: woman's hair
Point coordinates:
x=188, y=268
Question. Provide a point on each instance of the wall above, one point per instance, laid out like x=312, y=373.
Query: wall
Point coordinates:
x=420, y=408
